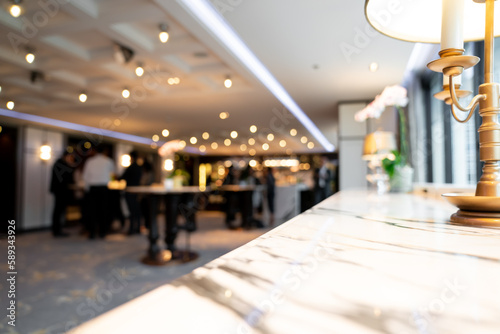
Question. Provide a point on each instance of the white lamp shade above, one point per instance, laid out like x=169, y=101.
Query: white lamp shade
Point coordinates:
x=420, y=20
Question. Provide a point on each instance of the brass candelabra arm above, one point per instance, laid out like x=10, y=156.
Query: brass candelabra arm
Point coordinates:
x=470, y=108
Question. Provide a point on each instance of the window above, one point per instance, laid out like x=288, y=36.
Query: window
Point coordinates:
x=446, y=151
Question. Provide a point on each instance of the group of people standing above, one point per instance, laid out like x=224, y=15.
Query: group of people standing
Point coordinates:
x=98, y=203
x=247, y=177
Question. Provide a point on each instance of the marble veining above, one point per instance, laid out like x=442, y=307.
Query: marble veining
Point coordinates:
x=355, y=263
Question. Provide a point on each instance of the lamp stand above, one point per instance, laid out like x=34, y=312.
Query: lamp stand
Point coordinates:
x=483, y=209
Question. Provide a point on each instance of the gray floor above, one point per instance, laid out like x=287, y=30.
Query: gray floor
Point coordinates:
x=64, y=282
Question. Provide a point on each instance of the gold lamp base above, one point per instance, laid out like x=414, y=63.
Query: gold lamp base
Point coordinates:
x=475, y=210
x=473, y=218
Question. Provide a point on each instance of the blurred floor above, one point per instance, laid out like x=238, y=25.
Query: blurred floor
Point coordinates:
x=66, y=281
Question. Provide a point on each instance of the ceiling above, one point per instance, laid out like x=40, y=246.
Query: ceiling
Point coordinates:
x=318, y=50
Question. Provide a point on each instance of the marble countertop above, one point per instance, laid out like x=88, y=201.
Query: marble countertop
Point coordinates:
x=355, y=263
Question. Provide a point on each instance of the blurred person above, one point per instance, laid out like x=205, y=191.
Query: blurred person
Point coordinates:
x=322, y=181
x=231, y=199
x=270, y=192
x=97, y=172
x=147, y=179
x=60, y=182
x=132, y=175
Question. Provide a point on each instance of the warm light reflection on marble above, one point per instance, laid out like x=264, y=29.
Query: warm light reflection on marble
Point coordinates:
x=355, y=263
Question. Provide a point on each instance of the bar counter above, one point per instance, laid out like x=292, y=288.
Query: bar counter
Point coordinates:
x=357, y=262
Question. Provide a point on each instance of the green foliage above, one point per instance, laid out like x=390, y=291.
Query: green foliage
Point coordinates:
x=180, y=172
x=390, y=165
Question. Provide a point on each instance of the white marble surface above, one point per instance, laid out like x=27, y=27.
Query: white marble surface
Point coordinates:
x=355, y=263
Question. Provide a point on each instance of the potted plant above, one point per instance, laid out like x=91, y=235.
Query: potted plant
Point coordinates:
x=397, y=166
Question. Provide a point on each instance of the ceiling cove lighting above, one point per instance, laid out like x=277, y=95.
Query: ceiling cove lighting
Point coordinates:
x=206, y=14
x=163, y=35
x=91, y=131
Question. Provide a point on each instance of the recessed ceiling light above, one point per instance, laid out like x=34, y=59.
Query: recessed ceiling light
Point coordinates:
x=265, y=146
x=205, y=135
x=243, y=147
x=155, y=138
x=227, y=142
x=270, y=137
x=10, y=105
x=126, y=93
x=253, y=129
x=202, y=148
x=293, y=132
x=163, y=36
x=251, y=141
x=15, y=9
x=310, y=145
x=193, y=140
x=224, y=115
x=214, y=145
x=228, y=83
x=165, y=133
x=30, y=57
x=173, y=81
x=234, y=134
x=252, y=152
x=282, y=143
x=303, y=140
x=139, y=70
x=373, y=67
x=82, y=97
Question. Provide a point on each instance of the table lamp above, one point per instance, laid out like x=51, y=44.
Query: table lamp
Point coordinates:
x=377, y=146
x=451, y=23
